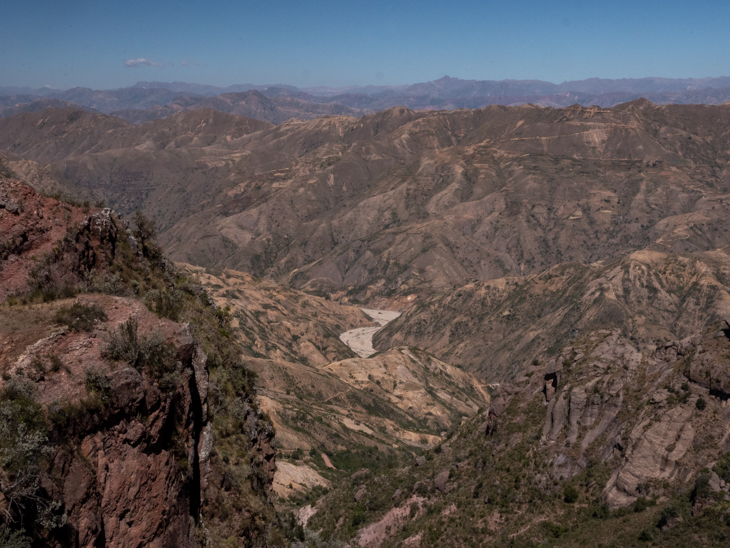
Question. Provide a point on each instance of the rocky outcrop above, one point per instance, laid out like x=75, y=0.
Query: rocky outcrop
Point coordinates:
x=126, y=439
x=129, y=468
x=709, y=370
x=653, y=455
x=639, y=414
x=50, y=246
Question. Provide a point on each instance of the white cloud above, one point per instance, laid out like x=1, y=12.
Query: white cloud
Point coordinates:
x=187, y=63
x=142, y=62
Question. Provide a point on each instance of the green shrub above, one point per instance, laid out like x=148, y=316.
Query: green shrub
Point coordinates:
x=642, y=503
x=38, y=365
x=702, y=486
x=97, y=383
x=67, y=414
x=169, y=382
x=601, y=511
x=359, y=515
x=291, y=527
x=157, y=356
x=23, y=444
x=79, y=317
x=722, y=468
x=701, y=404
x=166, y=303
x=570, y=494
x=554, y=530
x=106, y=283
x=667, y=515
x=146, y=233
x=151, y=354
x=123, y=345
x=56, y=363
x=646, y=536
x=13, y=539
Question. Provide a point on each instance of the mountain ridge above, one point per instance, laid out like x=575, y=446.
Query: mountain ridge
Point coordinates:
x=152, y=100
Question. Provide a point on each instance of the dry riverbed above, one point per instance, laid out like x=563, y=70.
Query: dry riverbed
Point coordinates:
x=361, y=339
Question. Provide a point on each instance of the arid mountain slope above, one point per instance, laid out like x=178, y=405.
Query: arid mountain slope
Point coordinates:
x=496, y=328
x=162, y=161
x=599, y=446
x=54, y=134
x=318, y=393
x=252, y=104
x=38, y=106
x=43, y=178
x=401, y=203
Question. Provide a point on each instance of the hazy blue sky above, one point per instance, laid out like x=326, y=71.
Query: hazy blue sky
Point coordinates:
x=64, y=43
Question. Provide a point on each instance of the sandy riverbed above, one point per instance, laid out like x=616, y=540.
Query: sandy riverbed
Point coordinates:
x=361, y=339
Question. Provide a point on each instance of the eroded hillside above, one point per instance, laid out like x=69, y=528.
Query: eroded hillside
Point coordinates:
x=600, y=446
x=325, y=402
x=401, y=203
x=496, y=328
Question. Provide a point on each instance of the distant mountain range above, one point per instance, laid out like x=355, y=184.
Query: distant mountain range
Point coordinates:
x=146, y=101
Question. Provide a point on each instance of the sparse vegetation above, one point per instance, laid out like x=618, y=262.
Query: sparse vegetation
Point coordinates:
x=80, y=317
x=24, y=448
x=167, y=303
x=151, y=354
x=97, y=383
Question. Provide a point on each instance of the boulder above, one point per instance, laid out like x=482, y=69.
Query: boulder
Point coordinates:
x=127, y=390
x=360, y=473
x=441, y=480
x=360, y=493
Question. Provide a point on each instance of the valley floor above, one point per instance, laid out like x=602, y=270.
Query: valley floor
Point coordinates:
x=361, y=338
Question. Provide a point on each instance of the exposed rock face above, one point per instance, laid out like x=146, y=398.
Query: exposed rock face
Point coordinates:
x=655, y=455
x=132, y=472
x=127, y=455
x=49, y=244
x=605, y=401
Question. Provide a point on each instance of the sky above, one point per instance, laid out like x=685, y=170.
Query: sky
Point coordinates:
x=108, y=44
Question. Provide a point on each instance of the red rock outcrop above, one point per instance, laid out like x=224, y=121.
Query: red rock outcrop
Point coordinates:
x=47, y=244
x=128, y=442
x=128, y=471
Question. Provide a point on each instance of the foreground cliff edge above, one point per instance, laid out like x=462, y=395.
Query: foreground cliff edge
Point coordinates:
x=120, y=388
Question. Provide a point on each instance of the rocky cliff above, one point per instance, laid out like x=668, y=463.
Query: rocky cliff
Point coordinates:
x=109, y=436
x=129, y=450
x=600, y=437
